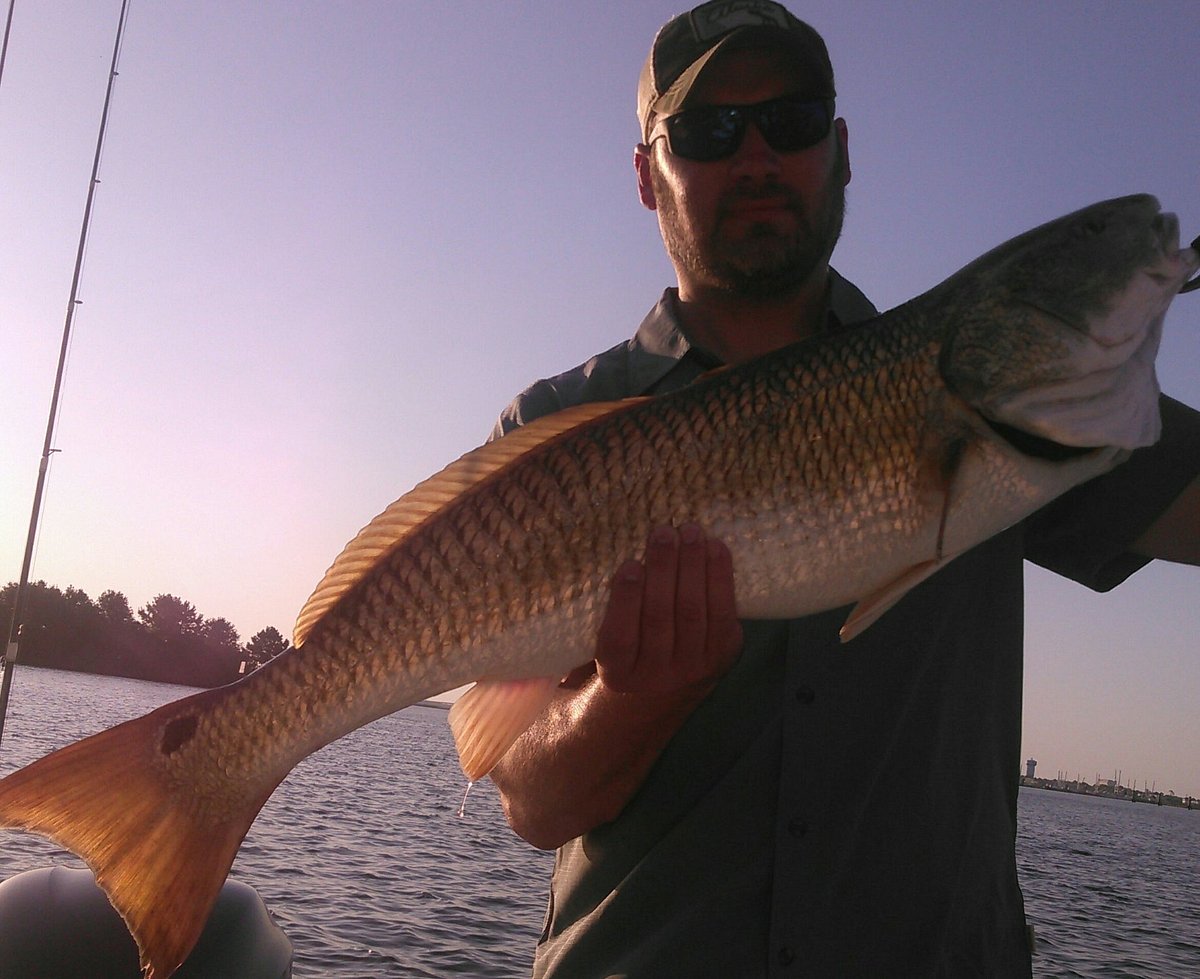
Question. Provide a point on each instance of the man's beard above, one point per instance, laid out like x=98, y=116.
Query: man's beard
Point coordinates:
x=762, y=263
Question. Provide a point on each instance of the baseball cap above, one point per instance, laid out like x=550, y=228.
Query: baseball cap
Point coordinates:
x=686, y=43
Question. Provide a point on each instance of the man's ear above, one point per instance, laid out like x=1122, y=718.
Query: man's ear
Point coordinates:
x=641, y=163
x=843, y=138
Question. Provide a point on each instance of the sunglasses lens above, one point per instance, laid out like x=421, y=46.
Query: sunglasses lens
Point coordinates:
x=713, y=132
x=789, y=125
x=707, y=132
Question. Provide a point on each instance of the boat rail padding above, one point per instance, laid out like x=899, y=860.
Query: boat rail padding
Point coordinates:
x=55, y=921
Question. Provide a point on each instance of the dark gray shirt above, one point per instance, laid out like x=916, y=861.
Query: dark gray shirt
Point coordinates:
x=839, y=810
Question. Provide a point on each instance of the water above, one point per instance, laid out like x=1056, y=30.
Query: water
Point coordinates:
x=359, y=854
x=363, y=861
x=1112, y=888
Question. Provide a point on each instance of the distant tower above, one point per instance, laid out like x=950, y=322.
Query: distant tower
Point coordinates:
x=1030, y=765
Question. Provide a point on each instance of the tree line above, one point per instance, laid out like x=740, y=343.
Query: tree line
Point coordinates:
x=167, y=641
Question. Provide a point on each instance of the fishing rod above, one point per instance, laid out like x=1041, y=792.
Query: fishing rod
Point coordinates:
x=7, y=31
x=12, y=647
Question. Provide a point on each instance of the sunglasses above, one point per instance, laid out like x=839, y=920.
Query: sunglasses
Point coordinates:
x=714, y=132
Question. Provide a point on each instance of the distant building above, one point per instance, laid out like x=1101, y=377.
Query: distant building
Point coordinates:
x=1030, y=765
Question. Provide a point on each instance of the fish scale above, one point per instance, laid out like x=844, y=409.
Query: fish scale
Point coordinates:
x=846, y=468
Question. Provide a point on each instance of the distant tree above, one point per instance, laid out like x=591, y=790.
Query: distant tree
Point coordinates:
x=222, y=649
x=264, y=645
x=42, y=596
x=220, y=635
x=77, y=598
x=8, y=599
x=58, y=627
x=168, y=617
x=114, y=606
x=8, y=595
x=168, y=640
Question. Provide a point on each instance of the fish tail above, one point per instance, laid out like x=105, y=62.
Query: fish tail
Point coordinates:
x=160, y=852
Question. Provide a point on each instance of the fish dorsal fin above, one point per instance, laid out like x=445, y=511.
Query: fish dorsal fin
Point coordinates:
x=427, y=498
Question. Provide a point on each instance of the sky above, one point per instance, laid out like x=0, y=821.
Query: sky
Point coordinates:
x=332, y=240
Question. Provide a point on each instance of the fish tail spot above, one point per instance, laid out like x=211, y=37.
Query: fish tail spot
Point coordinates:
x=178, y=732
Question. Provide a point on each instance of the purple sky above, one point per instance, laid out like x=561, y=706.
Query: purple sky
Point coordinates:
x=332, y=240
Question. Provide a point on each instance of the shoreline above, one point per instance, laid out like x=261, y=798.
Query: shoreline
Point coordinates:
x=1121, y=793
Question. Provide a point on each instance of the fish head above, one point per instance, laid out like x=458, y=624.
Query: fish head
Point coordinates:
x=1055, y=332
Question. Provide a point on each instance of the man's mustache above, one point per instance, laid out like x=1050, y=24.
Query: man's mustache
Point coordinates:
x=771, y=194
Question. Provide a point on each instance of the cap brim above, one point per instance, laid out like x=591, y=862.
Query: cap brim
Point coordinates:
x=675, y=97
x=672, y=100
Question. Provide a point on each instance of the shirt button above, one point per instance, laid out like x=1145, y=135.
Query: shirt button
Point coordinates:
x=805, y=694
x=798, y=827
x=786, y=956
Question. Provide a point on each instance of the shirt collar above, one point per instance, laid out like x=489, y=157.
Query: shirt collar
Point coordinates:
x=659, y=343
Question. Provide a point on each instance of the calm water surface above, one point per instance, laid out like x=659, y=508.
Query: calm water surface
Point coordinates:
x=1112, y=888
x=363, y=861
x=359, y=854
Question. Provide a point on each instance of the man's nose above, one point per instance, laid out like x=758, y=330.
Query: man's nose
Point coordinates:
x=754, y=157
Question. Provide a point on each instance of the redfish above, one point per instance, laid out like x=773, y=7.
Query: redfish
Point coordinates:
x=843, y=469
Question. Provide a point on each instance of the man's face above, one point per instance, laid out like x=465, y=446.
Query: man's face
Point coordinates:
x=759, y=223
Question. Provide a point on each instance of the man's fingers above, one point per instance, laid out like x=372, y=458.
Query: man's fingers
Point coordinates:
x=620, y=632
x=691, y=596
x=671, y=620
x=724, y=634
x=658, y=595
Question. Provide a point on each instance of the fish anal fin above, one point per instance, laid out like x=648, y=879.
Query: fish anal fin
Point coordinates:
x=157, y=855
x=874, y=605
x=489, y=717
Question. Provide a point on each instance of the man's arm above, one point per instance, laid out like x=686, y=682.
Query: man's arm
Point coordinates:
x=1175, y=536
x=669, y=633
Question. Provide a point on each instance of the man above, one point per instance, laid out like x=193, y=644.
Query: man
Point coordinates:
x=749, y=799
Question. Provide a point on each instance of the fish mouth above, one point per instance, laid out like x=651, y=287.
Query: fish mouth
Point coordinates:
x=1194, y=259
x=1167, y=226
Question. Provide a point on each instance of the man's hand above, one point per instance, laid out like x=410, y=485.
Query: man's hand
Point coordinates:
x=669, y=633
x=671, y=624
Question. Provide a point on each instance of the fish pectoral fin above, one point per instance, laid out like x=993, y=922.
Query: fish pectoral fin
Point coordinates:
x=874, y=605
x=489, y=717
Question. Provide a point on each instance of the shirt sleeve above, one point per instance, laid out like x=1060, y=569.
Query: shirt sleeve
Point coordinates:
x=540, y=398
x=1086, y=533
